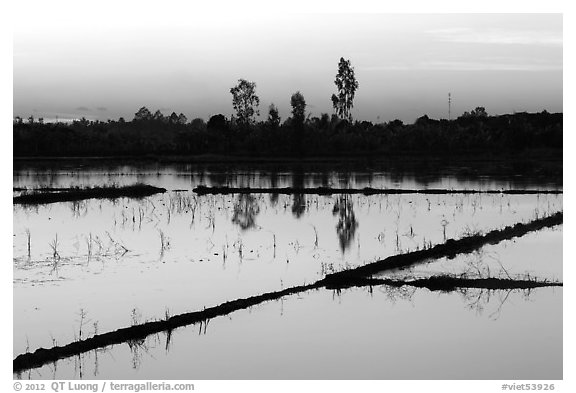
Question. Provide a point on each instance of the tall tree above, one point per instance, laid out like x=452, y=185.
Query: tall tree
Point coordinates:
x=346, y=85
x=298, y=108
x=245, y=101
x=273, y=116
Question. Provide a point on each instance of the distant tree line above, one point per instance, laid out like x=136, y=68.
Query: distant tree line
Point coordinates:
x=300, y=135
x=295, y=137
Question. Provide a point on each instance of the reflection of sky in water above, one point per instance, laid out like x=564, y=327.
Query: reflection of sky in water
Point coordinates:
x=534, y=255
x=388, y=333
x=223, y=247
x=218, y=248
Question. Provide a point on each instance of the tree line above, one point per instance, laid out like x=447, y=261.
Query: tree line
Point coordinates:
x=297, y=136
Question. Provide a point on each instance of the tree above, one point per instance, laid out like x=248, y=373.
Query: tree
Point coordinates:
x=324, y=121
x=480, y=111
x=158, y=116
x=217, y=122
x=198, y=124
x=298, y=108
x=273, y=116
x=182, y=119
x=143, y=114
x=245, y=101
x=173, y=119
x=346, y=84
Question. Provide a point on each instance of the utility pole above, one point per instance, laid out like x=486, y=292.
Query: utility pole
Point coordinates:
x=449, y=106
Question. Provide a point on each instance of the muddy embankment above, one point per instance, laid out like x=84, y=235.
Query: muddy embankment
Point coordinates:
x=448, y=283
x=52, y=195
x=354, y=277
x=204, y=190
x=449, y=249
x=42, y=356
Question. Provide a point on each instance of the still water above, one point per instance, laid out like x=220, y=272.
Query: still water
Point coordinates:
x=98, y=265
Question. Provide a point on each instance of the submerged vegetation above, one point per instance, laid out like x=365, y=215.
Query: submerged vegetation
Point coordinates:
x=360, y=276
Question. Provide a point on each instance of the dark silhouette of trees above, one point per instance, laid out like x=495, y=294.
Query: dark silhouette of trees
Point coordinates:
x=479, y=112
x=182, y=119
x=298, y=115
x=177, y=119
x=346, y=85
x=245, y=102
x=173, y=119
x=298, y=108
x=143, y=114
x=324, y=136
x=159, y=117
x=217, y=123
x=198, y=125
x=273, y=117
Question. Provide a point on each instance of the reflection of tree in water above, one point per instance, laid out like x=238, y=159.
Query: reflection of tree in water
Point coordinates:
x=137, y=348
x=482, y=301
x=298, y=200
x=274, y=199
x=245, y=211
x=298, y=205
x=273, y=184
x=347, y=224
x=479, y=299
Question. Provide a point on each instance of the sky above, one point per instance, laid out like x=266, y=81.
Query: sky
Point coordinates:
x=405, y=64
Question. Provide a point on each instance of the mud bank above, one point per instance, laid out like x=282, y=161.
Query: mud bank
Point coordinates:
x=43, y=356
x=204, y=190
x=449, y=249
x=41, y=196
x=449, y=283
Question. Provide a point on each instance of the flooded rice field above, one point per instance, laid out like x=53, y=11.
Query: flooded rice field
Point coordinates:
x=388, y=333
x=92, y=266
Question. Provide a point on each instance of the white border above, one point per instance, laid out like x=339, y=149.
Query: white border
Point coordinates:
x=17, y=15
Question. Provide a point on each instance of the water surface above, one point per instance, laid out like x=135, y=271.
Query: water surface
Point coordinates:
x=98, y=265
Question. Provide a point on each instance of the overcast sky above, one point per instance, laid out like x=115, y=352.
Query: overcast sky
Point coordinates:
x=405, y=64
